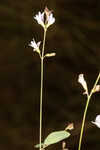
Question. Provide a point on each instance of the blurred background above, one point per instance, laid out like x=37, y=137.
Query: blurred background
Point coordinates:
x=75, y=37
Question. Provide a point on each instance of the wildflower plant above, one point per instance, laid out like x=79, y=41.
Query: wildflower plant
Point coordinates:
x=46, y=19
x=96, y=88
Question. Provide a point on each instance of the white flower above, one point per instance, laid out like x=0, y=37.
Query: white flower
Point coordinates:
x=35, y=45
x=82, y=81
x=40, y=18
x=45, y=19
x=50, y=20
x=97, y=121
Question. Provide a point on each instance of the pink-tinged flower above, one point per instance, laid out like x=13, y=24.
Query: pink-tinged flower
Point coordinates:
x=97, y=121
x=45, y=19
x=70, y=127
x=82, y=81
x=35, y=45
x=96, y=89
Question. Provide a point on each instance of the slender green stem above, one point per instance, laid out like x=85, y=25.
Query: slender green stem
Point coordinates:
x=41, y=89
x=85, y=111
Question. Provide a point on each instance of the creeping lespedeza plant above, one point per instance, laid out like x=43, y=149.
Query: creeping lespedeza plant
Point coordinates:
x=46, y=19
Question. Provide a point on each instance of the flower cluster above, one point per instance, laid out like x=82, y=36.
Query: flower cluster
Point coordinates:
x=45, y=19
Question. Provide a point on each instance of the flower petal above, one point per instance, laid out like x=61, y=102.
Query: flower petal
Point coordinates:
x=97, y=121
x=82, y=81
x=97, y=118
x=35, y=45
x=50, y=20
x=40, y=18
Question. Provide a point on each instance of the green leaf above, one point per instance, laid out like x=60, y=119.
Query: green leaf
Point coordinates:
x=56, y=137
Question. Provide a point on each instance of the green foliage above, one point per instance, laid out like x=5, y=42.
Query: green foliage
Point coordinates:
x=54, y=137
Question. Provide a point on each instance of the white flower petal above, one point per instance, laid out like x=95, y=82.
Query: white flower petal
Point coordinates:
x=40, y=18
x=38, y=44
x=97, y=118
x=34, y=45
x=97, y=121
x=50, y=20
x=82, y=81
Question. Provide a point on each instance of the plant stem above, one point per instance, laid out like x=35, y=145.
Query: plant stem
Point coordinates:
x=85, y=111
x=41, y=89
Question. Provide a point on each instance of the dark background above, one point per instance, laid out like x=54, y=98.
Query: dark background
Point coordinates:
x=75, y=37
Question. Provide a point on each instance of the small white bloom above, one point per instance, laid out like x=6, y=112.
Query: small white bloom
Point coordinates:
x=35, y=45
x=40, y=18
x=45, y=19
x=82, y=81
x=50, y=20
x=97, y=121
